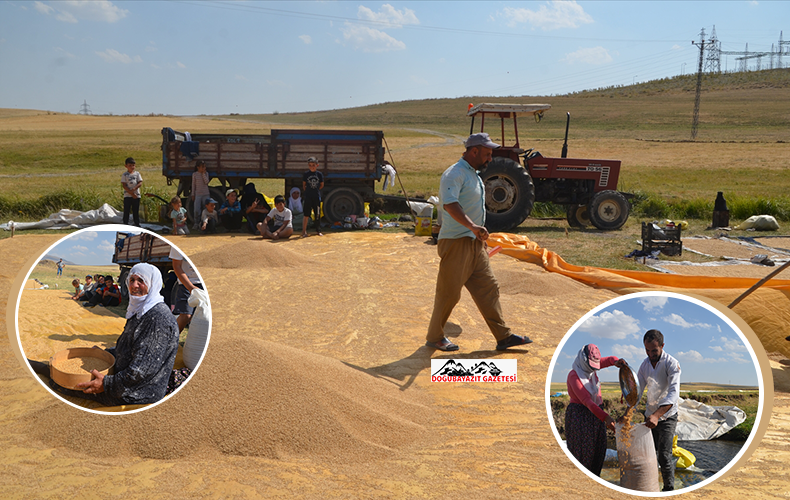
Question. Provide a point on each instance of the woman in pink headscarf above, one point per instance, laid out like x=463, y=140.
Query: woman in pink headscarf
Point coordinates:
x=585, y=420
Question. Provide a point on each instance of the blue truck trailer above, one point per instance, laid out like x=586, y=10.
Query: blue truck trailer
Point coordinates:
x=350, y=161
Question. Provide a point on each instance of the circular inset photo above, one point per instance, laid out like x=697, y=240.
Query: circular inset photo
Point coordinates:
x=113, y=319
x=656, y=393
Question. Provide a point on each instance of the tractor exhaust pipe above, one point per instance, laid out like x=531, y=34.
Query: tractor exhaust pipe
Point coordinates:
x=565, y=144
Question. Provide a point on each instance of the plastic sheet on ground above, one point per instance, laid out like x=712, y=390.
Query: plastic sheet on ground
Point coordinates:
x=766, y=310
x=73, y=219
x=700, y=422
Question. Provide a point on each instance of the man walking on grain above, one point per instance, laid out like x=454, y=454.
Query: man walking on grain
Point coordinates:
x=660, y=373
x=462, y=249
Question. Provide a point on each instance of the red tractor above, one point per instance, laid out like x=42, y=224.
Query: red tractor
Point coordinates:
x=587, y=187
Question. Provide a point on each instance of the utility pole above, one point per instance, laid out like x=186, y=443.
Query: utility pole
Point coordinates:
x=695, y=122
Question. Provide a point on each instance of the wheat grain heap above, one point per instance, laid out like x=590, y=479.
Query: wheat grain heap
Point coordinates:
x=282, y=403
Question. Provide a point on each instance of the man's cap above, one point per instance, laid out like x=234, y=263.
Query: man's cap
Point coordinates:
x=211, y=200
x=231, y=190
x=480, y=139
x=312, y=159
x=593, y=356
x=130, y=160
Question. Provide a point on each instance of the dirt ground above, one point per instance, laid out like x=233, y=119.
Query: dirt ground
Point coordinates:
x=353, y=302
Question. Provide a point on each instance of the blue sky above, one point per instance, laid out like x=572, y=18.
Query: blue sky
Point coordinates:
x=708, y=349
x=194, y=57
x=86, y=248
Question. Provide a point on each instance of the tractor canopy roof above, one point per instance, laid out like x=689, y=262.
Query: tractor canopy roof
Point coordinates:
x=507, y=108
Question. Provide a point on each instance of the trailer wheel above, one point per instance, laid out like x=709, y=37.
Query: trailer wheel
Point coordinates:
x=609, y=210
x=218, y=193
x=509, y=194
x=578, y=216
x=342, y=202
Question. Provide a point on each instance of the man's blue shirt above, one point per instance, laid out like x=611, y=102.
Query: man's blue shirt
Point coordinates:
x=460, y=183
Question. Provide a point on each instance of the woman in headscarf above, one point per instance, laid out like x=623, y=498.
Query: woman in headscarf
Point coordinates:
x=585, y=420
x=144, y=353
x=295, y=206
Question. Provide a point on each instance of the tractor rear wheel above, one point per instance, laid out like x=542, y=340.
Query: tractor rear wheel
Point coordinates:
x=509, y=194
x=578, y=216
x=609, y=210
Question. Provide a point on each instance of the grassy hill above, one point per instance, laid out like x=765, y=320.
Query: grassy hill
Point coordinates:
x=50, y=160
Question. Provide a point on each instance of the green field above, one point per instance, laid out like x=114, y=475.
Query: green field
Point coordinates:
x=51, y=161
x=745, y=398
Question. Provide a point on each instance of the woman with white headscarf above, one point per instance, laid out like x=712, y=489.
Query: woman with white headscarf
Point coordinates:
x=144, y=353
x=585, y=420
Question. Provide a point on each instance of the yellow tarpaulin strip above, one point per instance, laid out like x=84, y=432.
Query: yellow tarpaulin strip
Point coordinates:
x=767, y=310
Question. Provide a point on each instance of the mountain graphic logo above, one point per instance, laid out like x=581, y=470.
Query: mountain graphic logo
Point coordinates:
x=454, y=368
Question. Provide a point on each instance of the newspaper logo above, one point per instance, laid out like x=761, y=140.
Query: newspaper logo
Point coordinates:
x=473, y=370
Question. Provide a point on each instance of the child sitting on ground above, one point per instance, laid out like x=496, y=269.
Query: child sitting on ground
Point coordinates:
x=278, y=224
x=209, y=219
x=179, y=216
x=78, y=288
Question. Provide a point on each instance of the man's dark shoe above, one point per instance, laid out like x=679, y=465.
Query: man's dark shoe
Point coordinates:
x=443, y=345
x=512, y=341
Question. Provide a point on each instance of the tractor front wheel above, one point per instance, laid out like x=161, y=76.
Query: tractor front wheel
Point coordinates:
x=609, y=210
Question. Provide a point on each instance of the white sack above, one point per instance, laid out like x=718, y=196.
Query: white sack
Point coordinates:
x=73, y=219
x=700, y=422
x=760, y=223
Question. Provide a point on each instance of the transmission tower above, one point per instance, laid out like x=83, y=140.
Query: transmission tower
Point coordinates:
x=85, y=108
x=713, y=59
x=702, y=45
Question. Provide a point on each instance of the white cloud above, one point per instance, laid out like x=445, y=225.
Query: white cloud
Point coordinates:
x=276, y=83
x=43, y=8
x=369, y=39
x=691, y=356
x=79, y=248
x=86, y=236
x=632, y=352
x=590, y=55
x=112, y=55
x=653, y=302
x=677, y=320
x=88, y=10
x=553, y=15
x=307, y=39
x=106, y=246
x=65, y=54
x=614, y=325
x=151, y=47
x=241, y=77
x=677, y=47
x=181, y=65
x=388, y=15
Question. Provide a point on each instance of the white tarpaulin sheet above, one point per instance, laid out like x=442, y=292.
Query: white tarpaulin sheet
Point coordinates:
x=700, y=422
x=72, y=219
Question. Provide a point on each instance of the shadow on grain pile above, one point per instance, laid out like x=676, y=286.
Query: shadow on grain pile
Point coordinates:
x=248, y=253
x=251, y=397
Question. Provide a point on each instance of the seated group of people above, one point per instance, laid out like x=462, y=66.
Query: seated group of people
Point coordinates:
x=97, y=291
x=252, y=214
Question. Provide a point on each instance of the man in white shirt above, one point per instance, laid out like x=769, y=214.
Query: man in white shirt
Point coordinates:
x=188, y=280
x=660, y=374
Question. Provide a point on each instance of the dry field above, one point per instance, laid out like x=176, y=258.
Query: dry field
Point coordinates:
x=331, y=396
